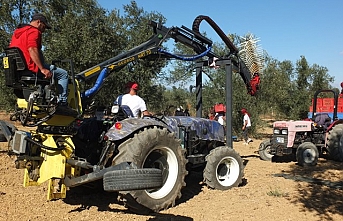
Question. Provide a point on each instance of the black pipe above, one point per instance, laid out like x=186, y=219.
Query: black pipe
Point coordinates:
x=43, y=146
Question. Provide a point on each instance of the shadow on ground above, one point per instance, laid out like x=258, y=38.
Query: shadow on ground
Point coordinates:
x=95, y=196
x=320, y=188
x=193, y=186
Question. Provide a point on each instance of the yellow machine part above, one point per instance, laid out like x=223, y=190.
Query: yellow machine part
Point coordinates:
x=59, y=120
x=54, y=167
x=56, y=120
x=74, y=96
x=74, y=101
x=22, y=103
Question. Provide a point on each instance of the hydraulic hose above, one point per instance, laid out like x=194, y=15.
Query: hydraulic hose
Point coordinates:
x=43, y=146
x=222, y=35
x=97, y=84
x=252, y=84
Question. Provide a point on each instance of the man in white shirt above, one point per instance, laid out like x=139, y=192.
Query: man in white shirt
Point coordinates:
x=133, y=101
x=246, y=126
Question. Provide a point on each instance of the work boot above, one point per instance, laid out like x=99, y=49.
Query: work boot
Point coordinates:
x=64, y=109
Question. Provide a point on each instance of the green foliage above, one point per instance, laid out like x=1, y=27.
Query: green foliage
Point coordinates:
x=176, y=97
x=7, y=98
x=274, y=94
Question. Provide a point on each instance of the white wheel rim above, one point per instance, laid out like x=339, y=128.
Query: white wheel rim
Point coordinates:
x=309, y=155
x=227, y=171
x=267, y=152
x=173, y=170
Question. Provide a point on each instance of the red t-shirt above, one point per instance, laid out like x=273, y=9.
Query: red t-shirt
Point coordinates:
x=24, y=38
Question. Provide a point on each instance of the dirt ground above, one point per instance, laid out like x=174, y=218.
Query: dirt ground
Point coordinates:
x=271, y=191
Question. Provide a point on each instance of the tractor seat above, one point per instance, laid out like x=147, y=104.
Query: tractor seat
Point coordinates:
x=16, y=71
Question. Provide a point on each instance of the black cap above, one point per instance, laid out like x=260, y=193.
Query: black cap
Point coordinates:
x=42, y=18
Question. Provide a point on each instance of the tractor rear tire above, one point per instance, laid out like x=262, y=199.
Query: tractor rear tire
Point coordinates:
x=132, y=179
x=264, y=150
x=334, y=143
x=2, y=137
x=10, y=127
x=154, y=148
x=224, y=168
x=307, y=154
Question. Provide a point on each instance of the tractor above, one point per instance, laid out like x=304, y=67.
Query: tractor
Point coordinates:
x=144, y=159
x=307, y=140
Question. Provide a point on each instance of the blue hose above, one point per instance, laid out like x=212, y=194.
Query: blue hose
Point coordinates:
x=97, y=84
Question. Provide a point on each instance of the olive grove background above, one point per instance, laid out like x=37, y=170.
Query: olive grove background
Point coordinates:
x=89, y=34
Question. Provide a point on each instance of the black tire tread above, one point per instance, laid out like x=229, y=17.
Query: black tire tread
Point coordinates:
x=299, y=154
x=262, y=150
x=11, y=127
x=132, y=179
x=212, y=159
x=135, y=150
x=2, y=137
x=333, y=145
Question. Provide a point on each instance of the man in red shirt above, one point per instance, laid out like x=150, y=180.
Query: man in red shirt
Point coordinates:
x=28, y=38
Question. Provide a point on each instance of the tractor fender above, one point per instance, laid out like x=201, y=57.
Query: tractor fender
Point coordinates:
x=131, y=125
x=340, y=121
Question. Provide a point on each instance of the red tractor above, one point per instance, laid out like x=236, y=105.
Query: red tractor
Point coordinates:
x=307, y=139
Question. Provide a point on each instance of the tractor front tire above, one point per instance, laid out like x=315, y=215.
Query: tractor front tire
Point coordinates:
x=224, y=168
x=307, y=154
x=334, y=143
x=154, y=148
x=264, y=150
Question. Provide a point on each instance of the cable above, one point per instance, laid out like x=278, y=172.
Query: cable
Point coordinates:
x=43, y=146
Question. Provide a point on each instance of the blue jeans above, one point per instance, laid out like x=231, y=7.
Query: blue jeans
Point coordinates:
x=61, y=76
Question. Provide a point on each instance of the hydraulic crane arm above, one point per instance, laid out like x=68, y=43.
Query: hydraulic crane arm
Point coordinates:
x=152, y=49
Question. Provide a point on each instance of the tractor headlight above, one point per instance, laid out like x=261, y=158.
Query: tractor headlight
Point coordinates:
x=284, y=132
x=276, y=131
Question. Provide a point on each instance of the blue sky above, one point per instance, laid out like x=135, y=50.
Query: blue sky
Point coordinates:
x=287, y=29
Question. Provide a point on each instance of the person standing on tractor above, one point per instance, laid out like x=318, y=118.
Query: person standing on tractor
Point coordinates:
x=133, y=101
x=246, y=126
x=28, y=38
